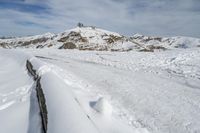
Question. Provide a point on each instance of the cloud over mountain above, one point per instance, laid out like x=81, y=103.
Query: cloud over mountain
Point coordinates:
x=151, y=17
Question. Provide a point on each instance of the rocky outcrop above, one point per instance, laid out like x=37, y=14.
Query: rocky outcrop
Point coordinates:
x=40, y=96
x=68, y=45
x=92, y=38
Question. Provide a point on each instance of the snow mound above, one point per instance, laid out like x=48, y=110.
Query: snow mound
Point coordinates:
x=102, y=106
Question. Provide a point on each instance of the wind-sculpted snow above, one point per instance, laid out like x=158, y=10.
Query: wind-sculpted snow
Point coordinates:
x=158, y=92
x=68, y=111
x=64, y=114
x=103, y=92
x=72, y=114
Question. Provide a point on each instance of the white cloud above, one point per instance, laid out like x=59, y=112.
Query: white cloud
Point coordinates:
x=152, y=17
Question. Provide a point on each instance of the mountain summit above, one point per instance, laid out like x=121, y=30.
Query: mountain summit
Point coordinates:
x=92, y=38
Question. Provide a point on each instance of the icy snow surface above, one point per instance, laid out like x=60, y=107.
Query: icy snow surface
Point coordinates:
x=158, y=92
x=104, y=92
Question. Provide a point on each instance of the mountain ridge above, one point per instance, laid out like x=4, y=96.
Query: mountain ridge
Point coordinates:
x=92, y=38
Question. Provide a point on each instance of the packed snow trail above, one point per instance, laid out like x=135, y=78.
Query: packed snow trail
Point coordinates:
x=64, y=114
x=107, y=92
x=66, y=109
x=71, y=114
x=158, y=91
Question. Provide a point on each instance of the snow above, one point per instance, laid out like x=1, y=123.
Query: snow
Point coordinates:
x=67, y=110
x=72, y=115
x=158, y=92
x=97, y=38
x=167, y=42
x=103, y=91
x=92, y=38
x=89, y=31
x=47, y=35
x=185, y=42
x=102, y=106
x=64, y=114
x=14, y=93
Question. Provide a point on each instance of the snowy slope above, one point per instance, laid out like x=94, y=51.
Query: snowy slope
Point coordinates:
x=75, y=113
x=67, y=111
x=89, y=88
x=15, y=90
x=156, y=91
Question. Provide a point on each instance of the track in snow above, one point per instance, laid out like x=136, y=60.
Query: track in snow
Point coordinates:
x=158, y=91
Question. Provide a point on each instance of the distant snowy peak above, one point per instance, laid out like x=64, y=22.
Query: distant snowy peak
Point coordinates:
x=165, y=42
x=92, y=38
x=28, y=42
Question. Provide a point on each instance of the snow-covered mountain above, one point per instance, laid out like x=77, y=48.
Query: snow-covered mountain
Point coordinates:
x=27, y=42
x=92, y=38
x=82, y=38
x=47, y=86
x=152, y=43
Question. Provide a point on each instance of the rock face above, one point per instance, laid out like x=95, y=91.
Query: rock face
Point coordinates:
x=68, y=45
x=92, y=38
x=74, y=37
x=4, y=45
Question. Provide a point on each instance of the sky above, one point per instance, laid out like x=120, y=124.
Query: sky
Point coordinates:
x=127, y=17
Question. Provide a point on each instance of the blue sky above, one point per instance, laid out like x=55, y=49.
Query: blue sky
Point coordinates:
x=149, y=17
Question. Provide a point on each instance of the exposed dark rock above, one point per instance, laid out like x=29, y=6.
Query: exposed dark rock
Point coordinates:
x=97, y=48
x=146, y=50
x=40, y=46
x=73, y=37
x=112, y=38
x=3, y=45
x=68, y=45
x=151, y=48
x=35, y=41
x=63, y=39
x=50, y=45
x=182, y=45
x=40, y=96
